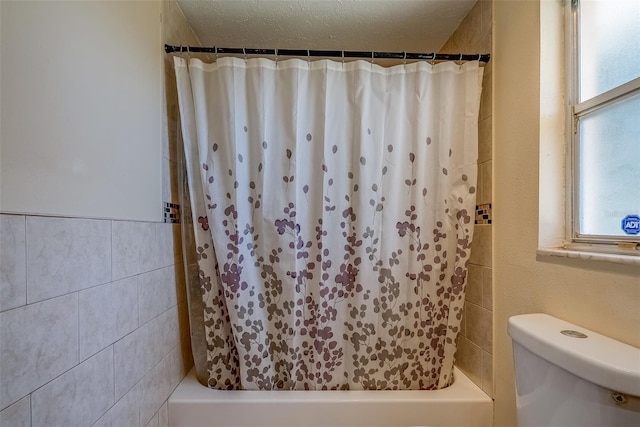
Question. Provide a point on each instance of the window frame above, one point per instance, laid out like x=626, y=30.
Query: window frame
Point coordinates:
x=627, y=245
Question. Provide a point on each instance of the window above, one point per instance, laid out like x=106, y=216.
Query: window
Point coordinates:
x=605, y=114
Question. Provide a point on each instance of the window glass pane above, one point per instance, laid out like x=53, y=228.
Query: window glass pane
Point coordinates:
x=609, y=45
x=609, y=165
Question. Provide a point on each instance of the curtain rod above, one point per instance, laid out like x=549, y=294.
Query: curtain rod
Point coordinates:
x=483, y=57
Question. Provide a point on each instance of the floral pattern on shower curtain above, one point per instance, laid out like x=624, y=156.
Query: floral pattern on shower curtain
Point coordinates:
x=333, y=210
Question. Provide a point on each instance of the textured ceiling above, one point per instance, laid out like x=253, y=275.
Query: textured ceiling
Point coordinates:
x=380, y=25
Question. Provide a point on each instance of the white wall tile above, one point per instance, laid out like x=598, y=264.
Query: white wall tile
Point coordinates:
x=153, y=422
x=134, y=355
x=78, y=397
x=107, y=313
x=18, y=414
x=163, y=416
x=13, y=262
x=134, y=248
x=169, y=331
x=95, y=320
x=66, y=255
x=38, y=343
x=177, y=367
x=156, y=293
x=154, y=389
x=164, y=243
x=125, y=413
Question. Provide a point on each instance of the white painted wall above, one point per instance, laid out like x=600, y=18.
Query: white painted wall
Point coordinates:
x=81, y=105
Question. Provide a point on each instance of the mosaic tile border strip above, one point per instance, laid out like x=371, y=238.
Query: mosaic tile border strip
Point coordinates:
x=171, y=213
x=483, y=214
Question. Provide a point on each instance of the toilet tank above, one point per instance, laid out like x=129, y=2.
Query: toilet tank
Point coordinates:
x=570, y=376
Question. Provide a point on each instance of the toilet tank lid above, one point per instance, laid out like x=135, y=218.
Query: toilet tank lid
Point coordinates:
x=596, y=358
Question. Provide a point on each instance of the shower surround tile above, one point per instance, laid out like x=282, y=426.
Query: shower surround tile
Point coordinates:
x=158, y=384
x=479, y=325
x=487, y=289
x=124, y=413
x=169, y=336
x=177, y=367
x=485, y=192
x=78, y=397
x=107, y=313
x=39, y=342
x=481, y=248
x=485, y=139
x=154, y=421
x=163, y=416
x=474, y=34
x=484, y=214
x=134, y=355
x=134, y=248
x=487, y=373
x=18, y=414
x=469, y=359
x=154, y=389
x=103, y=316
x=156, y=292
x=66, y=255
x=474, y=284
x=13, y=262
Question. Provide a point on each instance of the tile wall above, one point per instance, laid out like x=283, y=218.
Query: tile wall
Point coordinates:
x=93, y=315
x=93, y=326
x=475, y=344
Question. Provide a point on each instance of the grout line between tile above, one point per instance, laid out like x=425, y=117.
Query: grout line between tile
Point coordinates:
x=26, y=263
x=113, y=372
x=78, y=314
x=111, y=249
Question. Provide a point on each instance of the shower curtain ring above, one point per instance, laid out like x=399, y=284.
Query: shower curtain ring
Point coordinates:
x=244, y=52
x=215, y=51
x=308, y=57
x=372, y=60
x=276, y=58
x=404, y=58
x=343, y=57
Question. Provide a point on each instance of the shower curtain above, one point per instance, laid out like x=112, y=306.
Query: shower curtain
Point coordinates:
x=333, y=211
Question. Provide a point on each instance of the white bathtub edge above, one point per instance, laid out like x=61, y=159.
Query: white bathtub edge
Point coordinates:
x=462, y=404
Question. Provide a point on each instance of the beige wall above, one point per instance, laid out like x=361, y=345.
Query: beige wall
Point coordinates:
x=601, y=296
x=81, y=109
x=474, y=354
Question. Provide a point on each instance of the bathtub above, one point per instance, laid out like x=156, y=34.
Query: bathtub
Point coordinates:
x=461, y=405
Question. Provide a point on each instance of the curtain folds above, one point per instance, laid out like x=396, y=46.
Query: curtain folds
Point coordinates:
x=333, y=209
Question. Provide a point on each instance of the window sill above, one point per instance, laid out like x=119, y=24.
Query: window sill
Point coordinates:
x=628, y=259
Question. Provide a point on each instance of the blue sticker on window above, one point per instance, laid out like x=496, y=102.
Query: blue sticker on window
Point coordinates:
x=631, y=224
